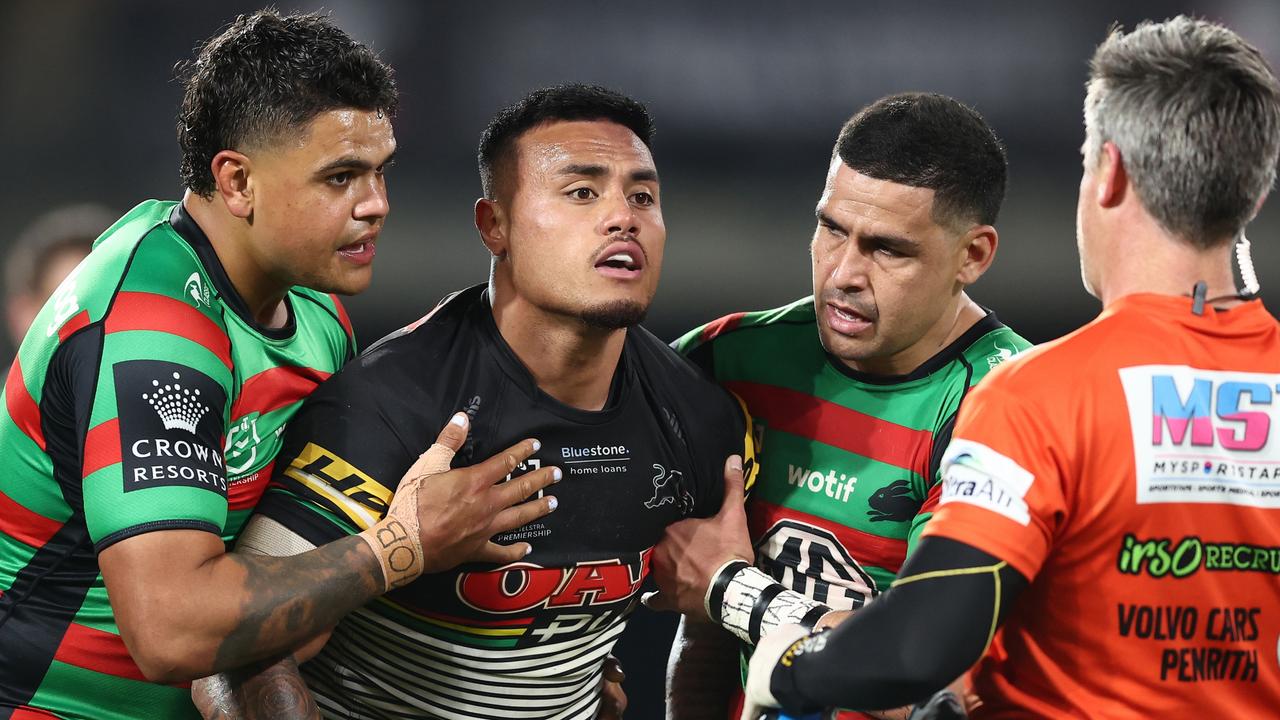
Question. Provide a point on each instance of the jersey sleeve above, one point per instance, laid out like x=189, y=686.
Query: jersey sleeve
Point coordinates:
x=1002, y=480
x=731, y=433
x=157, y=402
x=343, y=456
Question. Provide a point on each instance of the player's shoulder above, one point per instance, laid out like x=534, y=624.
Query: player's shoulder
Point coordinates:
x=989, y=344
x=406, y=354
x=1080, y=357
x=795, y=319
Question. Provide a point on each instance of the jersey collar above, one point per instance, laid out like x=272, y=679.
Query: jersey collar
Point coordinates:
x=941, y=359
x=186, y=228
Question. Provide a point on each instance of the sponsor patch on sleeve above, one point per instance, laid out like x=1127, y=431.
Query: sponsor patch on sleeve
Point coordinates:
x=340, y=485
x=170, y=426
x=975, y=474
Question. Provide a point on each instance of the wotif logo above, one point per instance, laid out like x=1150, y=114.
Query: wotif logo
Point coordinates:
x=1197, y=414
x=826, y=484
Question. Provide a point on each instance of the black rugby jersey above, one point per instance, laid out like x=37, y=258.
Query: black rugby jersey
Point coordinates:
x=526, y=640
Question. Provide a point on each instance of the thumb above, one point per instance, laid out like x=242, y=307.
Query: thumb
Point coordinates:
x=734, y=491
x=439, y=456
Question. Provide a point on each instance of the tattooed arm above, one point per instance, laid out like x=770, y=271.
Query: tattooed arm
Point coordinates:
x=253, y=693
x=187, y=609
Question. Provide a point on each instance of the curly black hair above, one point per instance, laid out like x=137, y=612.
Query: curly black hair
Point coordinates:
x=265, y=74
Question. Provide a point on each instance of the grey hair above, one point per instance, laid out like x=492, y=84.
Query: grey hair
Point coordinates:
x=1195, y=113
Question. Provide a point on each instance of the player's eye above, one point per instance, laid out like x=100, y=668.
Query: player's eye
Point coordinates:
x=643, y=198
x=339, y=179
x=582, y=193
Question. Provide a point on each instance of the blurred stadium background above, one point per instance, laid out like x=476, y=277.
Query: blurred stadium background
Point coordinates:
x=748, y=98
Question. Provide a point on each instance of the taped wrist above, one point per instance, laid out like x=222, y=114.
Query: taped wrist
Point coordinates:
x=750, y=604
x=395, y=540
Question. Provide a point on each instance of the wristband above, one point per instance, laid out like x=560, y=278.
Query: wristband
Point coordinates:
x=754, y=604
x=395, y=540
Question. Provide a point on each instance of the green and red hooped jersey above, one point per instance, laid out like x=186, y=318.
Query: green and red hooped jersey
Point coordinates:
x=144, y=397
x=848, y=461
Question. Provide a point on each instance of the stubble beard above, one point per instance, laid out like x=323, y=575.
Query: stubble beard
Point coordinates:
x=614, y=315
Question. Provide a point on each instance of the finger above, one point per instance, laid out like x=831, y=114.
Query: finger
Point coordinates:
x=439, y=456
x=502, y=554
x=613, y=670
x=734, y=493
x=523, y=514
x=527, y=485
x=502, y=464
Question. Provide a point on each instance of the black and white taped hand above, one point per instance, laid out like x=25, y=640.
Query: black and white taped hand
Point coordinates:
x=775, y=652
x=749, y=603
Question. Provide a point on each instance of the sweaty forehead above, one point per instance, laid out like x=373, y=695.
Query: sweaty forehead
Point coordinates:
x=851, y=198
x=551, y=147
x=345, y=132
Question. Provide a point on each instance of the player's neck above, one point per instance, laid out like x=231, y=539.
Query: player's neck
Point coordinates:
x=1140, y=257
x=262, y=294
x=569, y=360
x=956, y=321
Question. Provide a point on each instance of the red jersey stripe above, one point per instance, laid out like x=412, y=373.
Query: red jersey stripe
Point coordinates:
x=97, y=650
x=343, y=318
x=275, y=388
x=30, y=713
x=23, y=524
x=101, y=446
x=245, y=493
x=810, y=417
x=69, y=328
x=22, y=408
x=151, y=311
x=868, y=549
x=723, y=325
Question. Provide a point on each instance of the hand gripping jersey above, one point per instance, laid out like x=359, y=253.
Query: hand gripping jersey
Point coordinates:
x=526, y=640
x=143, y=398
x=1131, y=471
x=848, y=461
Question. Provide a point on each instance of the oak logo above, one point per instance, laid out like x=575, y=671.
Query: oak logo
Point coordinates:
x=522, y=587
x=170, y=426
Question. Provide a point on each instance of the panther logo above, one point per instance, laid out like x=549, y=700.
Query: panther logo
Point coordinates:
x=893, y=503
x=668, y=487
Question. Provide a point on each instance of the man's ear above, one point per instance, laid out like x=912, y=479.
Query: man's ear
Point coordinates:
x=490, y=222
x=1113, y=179
x=978, y=251
x=231, y=174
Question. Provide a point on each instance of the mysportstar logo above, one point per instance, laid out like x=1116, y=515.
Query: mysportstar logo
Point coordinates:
x=1204, y=435
x=169, y=428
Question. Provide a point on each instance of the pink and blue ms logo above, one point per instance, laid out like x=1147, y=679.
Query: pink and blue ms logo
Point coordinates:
x=1234, y=415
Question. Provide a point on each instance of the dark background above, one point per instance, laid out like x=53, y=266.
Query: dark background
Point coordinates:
x=748, y=97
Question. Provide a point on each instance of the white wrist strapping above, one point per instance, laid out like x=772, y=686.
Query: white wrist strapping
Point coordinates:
x=750, y=604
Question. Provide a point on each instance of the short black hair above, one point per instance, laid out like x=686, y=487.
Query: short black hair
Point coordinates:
x=267, y=73
x=930, y=141
x=569, y=102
